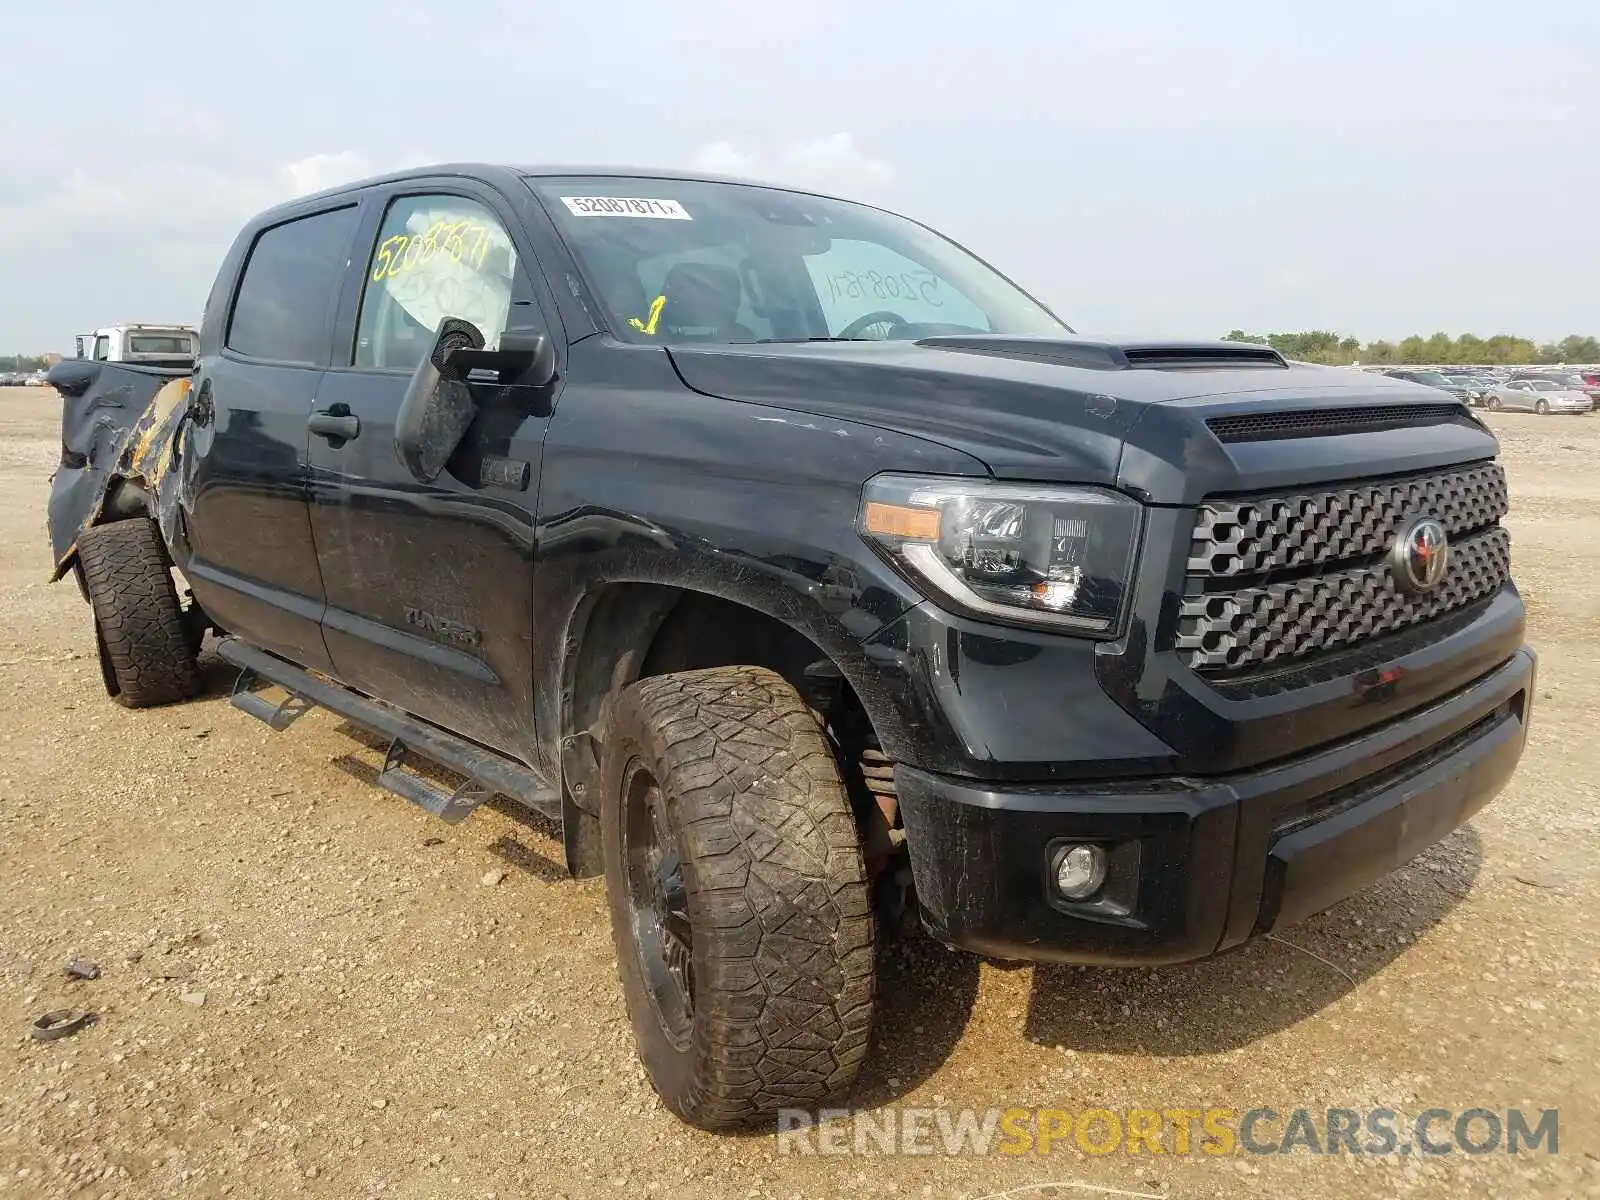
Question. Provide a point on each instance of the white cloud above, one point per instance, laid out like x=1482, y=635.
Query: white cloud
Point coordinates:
x=80, y=196
x=191, y=121
x=722, y=158
x=836, y=161
x=414, y=15
x=318, y=172
x=171, y=211
x=833, y=163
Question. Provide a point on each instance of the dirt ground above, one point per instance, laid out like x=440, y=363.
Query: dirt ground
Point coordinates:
x=311, y=988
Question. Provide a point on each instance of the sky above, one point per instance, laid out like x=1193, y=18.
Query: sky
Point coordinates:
x=1154, y=167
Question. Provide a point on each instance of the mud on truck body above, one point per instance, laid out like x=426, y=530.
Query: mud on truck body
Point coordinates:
x=785, y=554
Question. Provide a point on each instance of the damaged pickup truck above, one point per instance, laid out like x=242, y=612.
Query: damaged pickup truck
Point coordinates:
x=803, y=568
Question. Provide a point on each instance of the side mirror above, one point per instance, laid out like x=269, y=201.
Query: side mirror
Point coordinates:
x=439, y=407
x=524, y=356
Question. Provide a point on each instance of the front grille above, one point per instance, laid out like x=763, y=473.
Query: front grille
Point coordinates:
x=1277, y=581
x=1286, y=533
x=1328, y=422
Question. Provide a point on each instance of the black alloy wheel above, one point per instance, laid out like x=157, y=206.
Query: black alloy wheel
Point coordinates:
x=659, y=903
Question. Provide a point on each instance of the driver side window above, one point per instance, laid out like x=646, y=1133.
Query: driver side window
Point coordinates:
x=855, y=278
x=436, y=257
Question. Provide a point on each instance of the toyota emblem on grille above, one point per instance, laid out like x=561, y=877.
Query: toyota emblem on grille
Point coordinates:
x=1420, y=556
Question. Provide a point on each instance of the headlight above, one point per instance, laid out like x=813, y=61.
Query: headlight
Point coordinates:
x=1056, y=557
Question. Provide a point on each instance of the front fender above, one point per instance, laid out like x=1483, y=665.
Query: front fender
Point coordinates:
x=645, y=481
x=836, y=614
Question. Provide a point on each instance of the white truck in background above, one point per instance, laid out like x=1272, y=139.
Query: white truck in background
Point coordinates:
x=156, y=345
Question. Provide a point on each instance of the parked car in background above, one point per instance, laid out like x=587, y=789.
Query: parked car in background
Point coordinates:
x=1571, y=380
x=1542, y=396
x=1433, y=379
x=35, y=380
x=1478, y=388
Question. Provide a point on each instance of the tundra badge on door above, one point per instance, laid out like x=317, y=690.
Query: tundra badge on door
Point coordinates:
x=443, y=628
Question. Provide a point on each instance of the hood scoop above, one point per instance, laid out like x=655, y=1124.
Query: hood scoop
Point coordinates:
x=1116, y=356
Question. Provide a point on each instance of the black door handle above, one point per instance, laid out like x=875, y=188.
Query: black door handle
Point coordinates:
x=336, y=423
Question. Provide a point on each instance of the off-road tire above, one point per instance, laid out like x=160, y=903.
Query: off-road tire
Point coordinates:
x=777, y=895
x=146, y=652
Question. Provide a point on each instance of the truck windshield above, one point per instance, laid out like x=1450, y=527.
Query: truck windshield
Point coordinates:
x=676, y=260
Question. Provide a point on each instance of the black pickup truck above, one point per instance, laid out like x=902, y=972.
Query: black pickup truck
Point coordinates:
x=804, y=569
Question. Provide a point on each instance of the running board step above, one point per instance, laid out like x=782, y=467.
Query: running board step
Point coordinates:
x=487, y=773
x=281, y=715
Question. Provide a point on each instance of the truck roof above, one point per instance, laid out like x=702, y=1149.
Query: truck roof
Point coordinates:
x=506, y=173
x=138, y=326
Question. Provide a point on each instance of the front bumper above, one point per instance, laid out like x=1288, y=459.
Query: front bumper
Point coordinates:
x=1200, y=864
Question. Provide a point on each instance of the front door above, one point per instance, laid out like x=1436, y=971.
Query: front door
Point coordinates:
x=430, y=586
x=252, y=564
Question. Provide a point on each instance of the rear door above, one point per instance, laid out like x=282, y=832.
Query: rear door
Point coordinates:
x=250, y=557
x=430, y=587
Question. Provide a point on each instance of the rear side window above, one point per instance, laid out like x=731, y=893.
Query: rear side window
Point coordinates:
x=281, y=312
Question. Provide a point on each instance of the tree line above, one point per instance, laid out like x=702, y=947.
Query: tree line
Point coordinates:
x=23, y=362
x=1324, y=346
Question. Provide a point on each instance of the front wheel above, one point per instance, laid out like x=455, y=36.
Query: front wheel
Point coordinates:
x=738, y=896
x=1542, y=407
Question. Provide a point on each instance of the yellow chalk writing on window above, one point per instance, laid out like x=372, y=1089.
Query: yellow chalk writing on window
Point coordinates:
x=463, y=241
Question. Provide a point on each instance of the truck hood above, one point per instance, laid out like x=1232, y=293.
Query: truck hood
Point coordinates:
x=1170, y=422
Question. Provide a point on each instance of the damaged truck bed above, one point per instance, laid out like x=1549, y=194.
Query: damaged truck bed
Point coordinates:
x=118, y=423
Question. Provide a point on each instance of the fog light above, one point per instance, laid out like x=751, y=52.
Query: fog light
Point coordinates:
x=1080, y=872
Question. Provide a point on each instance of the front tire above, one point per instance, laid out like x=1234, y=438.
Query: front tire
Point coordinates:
x=738, y=896
x=1542, y=407
x=146, y=652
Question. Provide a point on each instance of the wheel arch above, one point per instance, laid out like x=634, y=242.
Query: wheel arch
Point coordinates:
x=624, y=630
